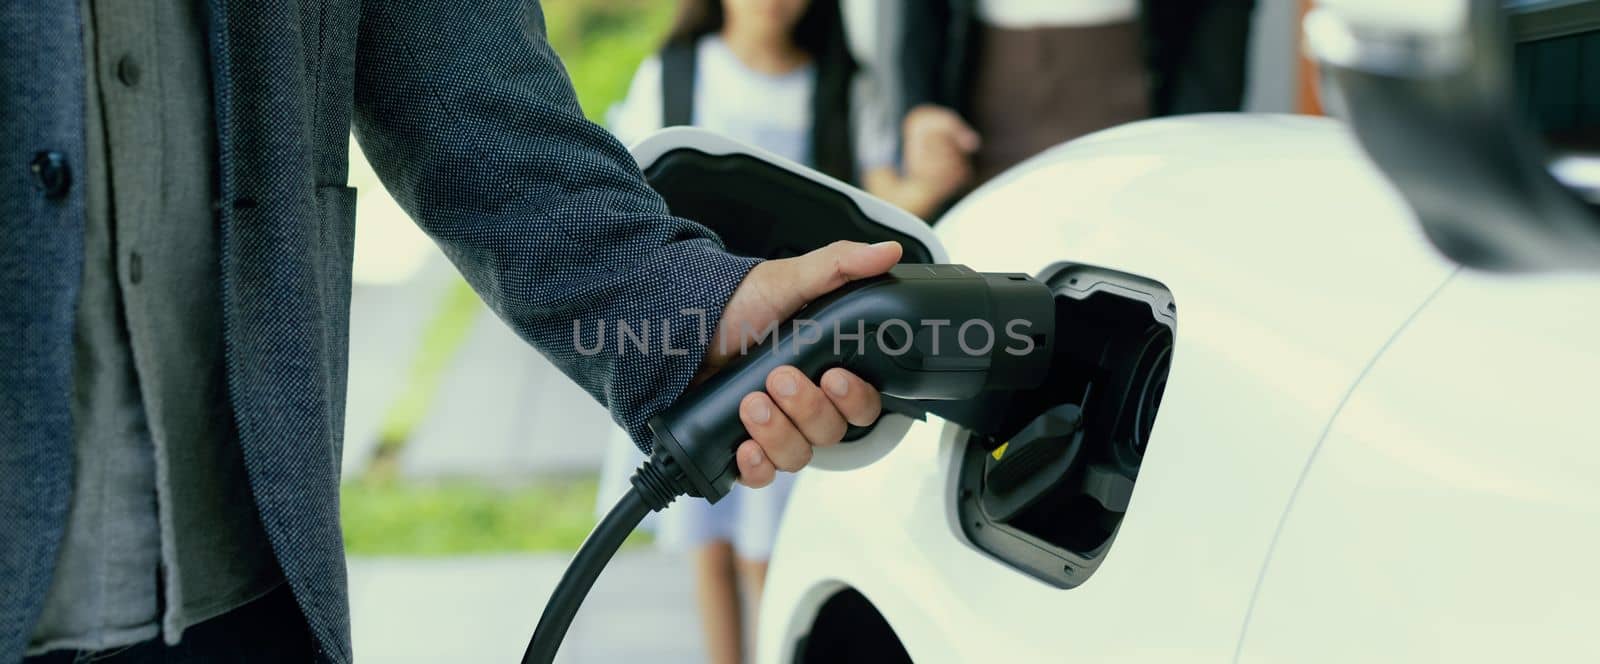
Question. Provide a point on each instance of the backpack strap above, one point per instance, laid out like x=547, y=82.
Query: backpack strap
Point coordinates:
x=832, y=146
x=678, y=66
x=832, y=143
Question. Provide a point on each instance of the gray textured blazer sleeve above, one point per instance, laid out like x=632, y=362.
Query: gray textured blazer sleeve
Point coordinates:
x=471, y=122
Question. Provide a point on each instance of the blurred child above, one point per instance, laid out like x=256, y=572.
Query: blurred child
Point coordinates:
x=775, y=74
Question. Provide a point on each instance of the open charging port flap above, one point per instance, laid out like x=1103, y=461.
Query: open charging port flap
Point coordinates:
x=1047, y=474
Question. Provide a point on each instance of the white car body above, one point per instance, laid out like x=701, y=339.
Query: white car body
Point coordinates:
x=1364, y=453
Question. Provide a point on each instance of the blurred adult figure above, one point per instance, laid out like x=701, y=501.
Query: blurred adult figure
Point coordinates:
x=1025, y=75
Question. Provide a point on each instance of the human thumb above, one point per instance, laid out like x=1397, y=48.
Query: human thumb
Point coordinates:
x=809, y=276
x=776, y=289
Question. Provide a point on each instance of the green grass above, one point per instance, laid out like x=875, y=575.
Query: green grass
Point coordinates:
x=458, y=517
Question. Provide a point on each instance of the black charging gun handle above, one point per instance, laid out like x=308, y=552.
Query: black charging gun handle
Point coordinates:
x=918, y=332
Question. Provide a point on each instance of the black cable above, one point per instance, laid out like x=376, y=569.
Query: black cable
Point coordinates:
x=592, y=557
x=652, y=490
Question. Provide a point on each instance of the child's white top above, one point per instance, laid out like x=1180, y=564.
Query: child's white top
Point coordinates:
x=771, y=111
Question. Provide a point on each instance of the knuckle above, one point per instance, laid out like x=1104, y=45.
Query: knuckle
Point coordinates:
x=771, y=437
x=834, y=434
x=805, y=401
x=799, y=459
x=868, y=402
x=792, y=455
x=856, y=412
x=865, y=412
x=805, y=406
x=837, y=420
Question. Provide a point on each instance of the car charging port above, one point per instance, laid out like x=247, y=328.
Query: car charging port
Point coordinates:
x=1020, y=472
x=1048, y=474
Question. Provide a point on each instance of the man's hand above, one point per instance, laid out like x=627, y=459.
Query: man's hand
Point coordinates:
x=795, y=414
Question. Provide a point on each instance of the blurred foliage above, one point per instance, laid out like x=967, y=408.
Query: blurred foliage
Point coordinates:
x=384, y=517
x=601, y=43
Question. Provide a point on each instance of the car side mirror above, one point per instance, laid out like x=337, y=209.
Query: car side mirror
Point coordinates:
x=1431, y=90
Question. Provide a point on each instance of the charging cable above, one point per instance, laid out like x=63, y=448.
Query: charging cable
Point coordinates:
x=652, y=491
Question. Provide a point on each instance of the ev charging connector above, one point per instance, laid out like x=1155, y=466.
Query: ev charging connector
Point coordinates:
x=920, y=332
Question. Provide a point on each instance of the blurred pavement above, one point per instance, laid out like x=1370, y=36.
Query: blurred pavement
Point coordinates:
x=386, y=323
x=503, y=410
x=484, y=608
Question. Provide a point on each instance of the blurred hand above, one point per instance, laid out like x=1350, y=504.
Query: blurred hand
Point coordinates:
x=795, y=414
x=937, y=148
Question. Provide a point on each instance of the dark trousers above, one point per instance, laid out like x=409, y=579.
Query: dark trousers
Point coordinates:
x=269, y=629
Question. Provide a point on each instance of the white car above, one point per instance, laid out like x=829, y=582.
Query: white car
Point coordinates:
x=1312, y=400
